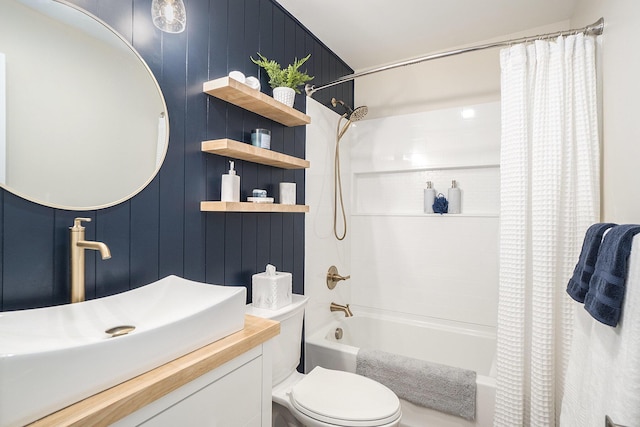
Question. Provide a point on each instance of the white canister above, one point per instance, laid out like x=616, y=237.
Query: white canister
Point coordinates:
x=288, y=193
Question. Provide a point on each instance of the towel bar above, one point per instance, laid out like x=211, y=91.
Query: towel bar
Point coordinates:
x=609, y=423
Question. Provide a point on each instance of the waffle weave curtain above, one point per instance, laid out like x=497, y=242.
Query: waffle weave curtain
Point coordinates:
x=550, y=182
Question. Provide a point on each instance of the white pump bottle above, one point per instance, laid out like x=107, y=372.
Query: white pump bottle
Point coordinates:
x=454, y=198
x=230, y=191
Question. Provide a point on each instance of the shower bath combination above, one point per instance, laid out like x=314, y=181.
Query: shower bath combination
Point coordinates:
x=351, y=116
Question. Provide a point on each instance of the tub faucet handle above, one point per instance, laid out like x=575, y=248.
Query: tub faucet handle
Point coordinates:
x=333, y=277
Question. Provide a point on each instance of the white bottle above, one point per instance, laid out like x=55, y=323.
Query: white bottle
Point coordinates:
x=453, y=196
x=429, y=197
x=230, y=191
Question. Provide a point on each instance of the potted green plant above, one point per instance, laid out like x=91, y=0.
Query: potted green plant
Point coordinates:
x=285, y=82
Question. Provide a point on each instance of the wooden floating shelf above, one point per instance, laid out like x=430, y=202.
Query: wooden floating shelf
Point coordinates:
x=242, y=151
x=251, y=207
x=253, y=100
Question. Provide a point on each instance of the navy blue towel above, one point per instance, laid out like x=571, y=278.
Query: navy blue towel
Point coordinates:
x=578, y=285
x=607, y=285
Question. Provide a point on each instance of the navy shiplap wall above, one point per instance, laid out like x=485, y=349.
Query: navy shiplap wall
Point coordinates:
x=161, y=231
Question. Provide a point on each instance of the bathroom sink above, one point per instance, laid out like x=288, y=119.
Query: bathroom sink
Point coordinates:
x=55, y=356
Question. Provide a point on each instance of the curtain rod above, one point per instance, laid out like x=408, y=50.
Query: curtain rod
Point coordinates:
x=594, y=29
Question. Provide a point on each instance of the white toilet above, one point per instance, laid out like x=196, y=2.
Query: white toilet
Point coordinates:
x=323, y=397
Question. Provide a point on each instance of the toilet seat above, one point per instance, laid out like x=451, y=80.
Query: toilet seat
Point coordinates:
x=344, y=399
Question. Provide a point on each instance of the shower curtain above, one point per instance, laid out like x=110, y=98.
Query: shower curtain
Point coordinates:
x=549, y=196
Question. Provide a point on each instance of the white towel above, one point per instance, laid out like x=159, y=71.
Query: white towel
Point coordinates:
x=603, y=377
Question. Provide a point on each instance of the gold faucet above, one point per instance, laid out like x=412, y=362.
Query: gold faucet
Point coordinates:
x=344, y=308
x=78, y=246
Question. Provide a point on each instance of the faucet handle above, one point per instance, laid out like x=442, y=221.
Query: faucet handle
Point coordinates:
x=333, y=277
x=77, y=223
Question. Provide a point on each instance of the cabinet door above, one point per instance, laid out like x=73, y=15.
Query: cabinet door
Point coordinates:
x=233, y=400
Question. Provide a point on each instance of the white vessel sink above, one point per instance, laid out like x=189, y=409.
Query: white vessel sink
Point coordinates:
x=52, y=357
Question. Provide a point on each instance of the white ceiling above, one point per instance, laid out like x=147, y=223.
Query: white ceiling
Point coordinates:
x=369, y=33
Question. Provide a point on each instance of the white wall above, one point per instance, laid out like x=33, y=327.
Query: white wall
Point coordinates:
x=403, y=261
x=475, y=77
x=470, y=78
x=620, y=89
x=427, y=266
x=322, y=249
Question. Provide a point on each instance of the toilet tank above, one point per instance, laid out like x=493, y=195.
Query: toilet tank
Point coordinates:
x=286, y=345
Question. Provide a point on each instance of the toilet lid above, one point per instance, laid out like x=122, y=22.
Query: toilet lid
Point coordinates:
x=345, y=399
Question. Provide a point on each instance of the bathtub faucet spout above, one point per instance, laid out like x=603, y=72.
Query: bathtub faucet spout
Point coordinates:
x=344, y=308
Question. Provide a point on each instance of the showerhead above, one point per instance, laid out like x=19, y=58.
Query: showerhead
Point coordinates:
x=358, y=113
x=351, y=115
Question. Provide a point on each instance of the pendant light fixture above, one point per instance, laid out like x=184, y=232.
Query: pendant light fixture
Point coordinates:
x=169, y=15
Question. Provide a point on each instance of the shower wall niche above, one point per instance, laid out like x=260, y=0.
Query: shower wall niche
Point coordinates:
x=429, y=266
x=400, y=192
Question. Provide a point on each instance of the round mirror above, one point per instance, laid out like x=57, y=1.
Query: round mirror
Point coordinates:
x=83, y=124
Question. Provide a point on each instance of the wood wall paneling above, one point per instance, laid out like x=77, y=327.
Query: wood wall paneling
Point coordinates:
x=161, y=230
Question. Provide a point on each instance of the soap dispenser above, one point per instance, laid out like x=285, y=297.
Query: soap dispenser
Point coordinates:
x=230, y=191
x=454, y=198
x=429, y=197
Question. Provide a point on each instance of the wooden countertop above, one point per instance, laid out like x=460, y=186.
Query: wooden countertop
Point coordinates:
x=119, y=401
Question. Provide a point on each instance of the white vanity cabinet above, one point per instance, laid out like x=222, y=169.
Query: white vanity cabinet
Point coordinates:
x=231, y=395
x=224, y=384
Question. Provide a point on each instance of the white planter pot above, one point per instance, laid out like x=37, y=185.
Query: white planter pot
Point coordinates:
x=286, y=95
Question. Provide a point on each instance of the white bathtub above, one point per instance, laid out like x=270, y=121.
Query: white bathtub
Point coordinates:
x=453, y=346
